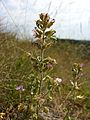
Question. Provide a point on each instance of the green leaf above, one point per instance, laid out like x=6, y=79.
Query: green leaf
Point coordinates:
x=46, y=109
x=39, y=24
x=48, y=45
x=53, y=38
x=41, y=16
x=46, y=18
x=38, y=31
x=50, y=23
x=50, y=33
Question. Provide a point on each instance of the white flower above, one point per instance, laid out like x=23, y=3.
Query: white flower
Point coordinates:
x=20, y=88
x=58, y=80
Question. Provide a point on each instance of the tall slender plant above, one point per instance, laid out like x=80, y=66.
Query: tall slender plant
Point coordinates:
x=44, y=37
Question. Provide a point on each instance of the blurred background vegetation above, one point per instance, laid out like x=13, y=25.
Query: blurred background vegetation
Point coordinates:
x=15, y=65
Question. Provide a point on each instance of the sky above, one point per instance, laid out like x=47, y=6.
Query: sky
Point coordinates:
x=72, y=17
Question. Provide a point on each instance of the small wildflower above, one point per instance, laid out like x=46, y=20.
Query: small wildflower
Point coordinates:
x=58, y=80
x=34, y=33
x=2, y=115
x=20, y=88
x=49, y=66
x=81, y=65
x=81, y=74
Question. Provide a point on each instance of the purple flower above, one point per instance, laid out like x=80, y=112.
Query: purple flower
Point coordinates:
x=81, y=65
x=34, y=33
x=20, y=88
x=49, y=66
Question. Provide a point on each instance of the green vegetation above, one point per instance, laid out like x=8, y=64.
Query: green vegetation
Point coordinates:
x=41, y=79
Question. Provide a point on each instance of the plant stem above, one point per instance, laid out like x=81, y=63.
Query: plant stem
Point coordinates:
x=70, y=92
x=42, y=57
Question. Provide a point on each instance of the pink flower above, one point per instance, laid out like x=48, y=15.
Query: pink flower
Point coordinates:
x=81, y=65
x=49, y=66
x=20, y=88
x=81, y=74
x=34, y=33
